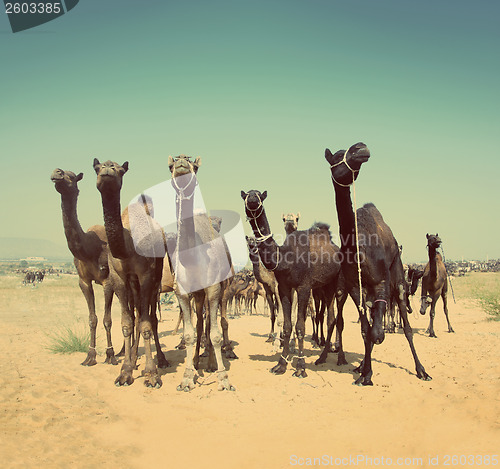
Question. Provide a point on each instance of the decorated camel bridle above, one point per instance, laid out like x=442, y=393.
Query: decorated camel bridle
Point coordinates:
x=252, y=215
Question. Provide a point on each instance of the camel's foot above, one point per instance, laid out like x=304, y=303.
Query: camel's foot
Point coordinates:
x=431, y=334
x=322, y=358
x=341, y=359
x=280, y=368
x=229, y=352
x=152, y=380
x=421, y=374
x=110, y=357
x=161, y=360
x=300, y=371
x=181, y=345
x=450, y=329
x=270, y=338
x=363, y=381
x=224, y=384
x=91, y=358
x=125, y=378
x=188, y=381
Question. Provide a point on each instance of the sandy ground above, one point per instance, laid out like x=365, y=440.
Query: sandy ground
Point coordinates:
x=55, y=413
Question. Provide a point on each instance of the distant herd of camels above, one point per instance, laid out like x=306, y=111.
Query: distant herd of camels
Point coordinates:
x=371, y=273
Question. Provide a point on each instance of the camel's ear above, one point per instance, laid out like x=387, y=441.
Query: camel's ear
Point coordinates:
x=264, y=195
x=298, y=216
x=79, y=177
x=283, y=216
x=437, y=235
x=170, y=162
x=197, y=162
x=243, y=195
x=96, y=165
x=125, y=167
x=427, y=235
x=328, y=156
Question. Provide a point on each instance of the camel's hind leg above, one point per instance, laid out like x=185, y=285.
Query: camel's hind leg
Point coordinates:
x=432, y=314
x=270, y=301
x=88, y=293
x=445, y=307
x=302, y=302
x=216, y=337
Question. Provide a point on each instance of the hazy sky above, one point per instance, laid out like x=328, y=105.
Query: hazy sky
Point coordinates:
x=259, y=89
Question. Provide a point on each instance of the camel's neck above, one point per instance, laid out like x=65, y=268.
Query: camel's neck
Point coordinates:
x=433, y=261
x=268, y=248
x=72, y=228
x=186, y=238
x=113, y=224
x=345, y=216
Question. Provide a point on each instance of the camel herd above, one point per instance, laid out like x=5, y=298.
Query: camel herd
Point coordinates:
x=132, y=257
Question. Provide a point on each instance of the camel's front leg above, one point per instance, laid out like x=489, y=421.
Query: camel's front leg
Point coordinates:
x=151, y=376
x=188, y=380
x=88, y=293
x=286, y=302
x=445, y=307
x=432, y=314
x=270, y=302
x=125, y=378
x=302, y=302
x=108, y=299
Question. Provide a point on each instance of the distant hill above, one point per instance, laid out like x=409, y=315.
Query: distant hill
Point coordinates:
x=20, y=248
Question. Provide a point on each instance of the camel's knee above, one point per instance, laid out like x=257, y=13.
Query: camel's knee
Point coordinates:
x=189, y=338
x=93, y=322
x=216, y=338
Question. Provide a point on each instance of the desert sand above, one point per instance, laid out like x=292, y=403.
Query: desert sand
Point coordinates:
x=56, y=413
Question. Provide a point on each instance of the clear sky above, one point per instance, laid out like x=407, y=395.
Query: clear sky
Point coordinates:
x=259, y=89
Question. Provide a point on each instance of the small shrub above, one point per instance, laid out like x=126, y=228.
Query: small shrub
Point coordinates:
x=67, y=340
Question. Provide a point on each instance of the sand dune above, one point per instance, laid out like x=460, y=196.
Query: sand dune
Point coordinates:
x=56, y=413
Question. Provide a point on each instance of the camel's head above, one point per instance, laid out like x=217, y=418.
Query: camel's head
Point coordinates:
x=65, y=182
x=414, y=275
x=216, y=223
x=345, y=164
x=433, y=241
x=182, y=164
x=253, y=201
x=109, y=175
x=252, y=244
x=291, y=222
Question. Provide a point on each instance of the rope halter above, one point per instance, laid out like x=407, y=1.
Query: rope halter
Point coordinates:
x=253, y=216
x=353, y=171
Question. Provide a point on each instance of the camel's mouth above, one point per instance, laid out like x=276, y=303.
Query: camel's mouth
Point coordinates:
x=56, y=178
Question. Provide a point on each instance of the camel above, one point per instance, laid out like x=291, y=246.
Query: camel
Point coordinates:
x=270, y=284
x=379, y=258
x=434, y=283
x=202, y=266
x=291, y=221
x=308, y=259
x=140, y=275
x=90, y=253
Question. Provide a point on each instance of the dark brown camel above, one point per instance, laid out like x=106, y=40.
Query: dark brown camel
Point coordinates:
x=308, y=259
x=434, y=283
x=268, y=281
x=90, y=253
x=381, y=266
x=140, y=275
x=202, y=266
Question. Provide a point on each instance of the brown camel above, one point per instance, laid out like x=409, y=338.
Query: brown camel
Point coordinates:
x=291, y=221
x=202, y=266
x=140, y=275
x=270, y=284
x=308, y=259
x=434, y=283
x=379, y=258
x=90, y=253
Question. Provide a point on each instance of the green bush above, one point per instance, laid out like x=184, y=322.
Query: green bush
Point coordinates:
x=67, y=340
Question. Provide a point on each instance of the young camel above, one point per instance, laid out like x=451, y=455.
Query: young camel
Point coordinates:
x=434, y=283
x=90, y=251
x=308, y=259
x=379, y=258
